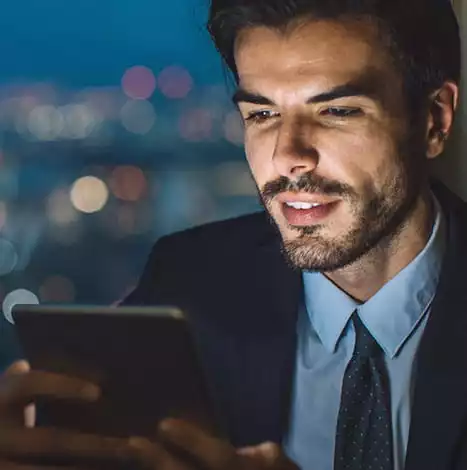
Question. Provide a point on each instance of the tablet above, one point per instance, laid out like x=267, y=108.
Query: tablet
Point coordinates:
x=144, y=359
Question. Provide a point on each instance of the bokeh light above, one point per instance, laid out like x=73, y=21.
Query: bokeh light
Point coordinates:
x=104, y=102
x=17, y=297
x=46, y=123
x=138, y=117
x=20, y=111
x=233, y=128
x=196, y=125
x=139, y=82
x=60, y=210
x=80, y=121
x=175, y=82
x=128, y=183
x=89, y=194
x=8, y=257
x=57, y=289
x=3, y=214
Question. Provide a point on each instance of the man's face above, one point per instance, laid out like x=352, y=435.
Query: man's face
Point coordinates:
x=327, y=138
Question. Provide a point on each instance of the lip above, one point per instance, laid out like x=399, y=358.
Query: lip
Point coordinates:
x=310, y=198
x=308, y=217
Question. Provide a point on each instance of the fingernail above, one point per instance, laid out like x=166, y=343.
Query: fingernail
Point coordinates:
x=91, y=392
x=165, y=425
x=137, y=442
x=247, y=451
x=168, y=425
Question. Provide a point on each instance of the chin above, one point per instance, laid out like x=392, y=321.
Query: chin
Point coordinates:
x=315, y=252
x=306, y=258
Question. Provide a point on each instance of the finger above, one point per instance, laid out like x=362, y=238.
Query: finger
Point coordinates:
x=21, y=389
x=267, y=456
x=209, y=451
x=30, y=416
x=26, y=444
x=153, y=456
x=4, y=465
x=18, y=367
x=267, y=452
x=25, y=416
x=18, y=415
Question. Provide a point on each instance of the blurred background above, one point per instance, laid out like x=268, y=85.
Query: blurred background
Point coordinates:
x=116, y=127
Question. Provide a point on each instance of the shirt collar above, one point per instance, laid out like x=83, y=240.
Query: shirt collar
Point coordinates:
x=393, y=312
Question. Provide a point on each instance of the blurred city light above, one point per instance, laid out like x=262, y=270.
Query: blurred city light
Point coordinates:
x=128, y=183
x=117, y=123
x=233, y=128
x=104, y=102
x=17, y=297
x=89, y=194
x=8, y=257
x=138, y=116
x=57, y=289
x=196, y=125
x=3, y=214
x=46, y=122
x=80, y=121
x=19, y=110
x=60, y=209
x=175, y=82
x=139, y=83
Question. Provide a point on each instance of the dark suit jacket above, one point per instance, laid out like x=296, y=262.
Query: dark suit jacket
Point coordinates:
x=242, y=299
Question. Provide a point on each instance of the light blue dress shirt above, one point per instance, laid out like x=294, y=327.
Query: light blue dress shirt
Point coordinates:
x=396, y=316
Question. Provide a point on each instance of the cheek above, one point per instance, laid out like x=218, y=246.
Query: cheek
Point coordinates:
x=360, y=160
x=259, y=154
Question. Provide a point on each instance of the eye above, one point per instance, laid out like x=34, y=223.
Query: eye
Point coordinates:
x=341, y=112
x=260, y=116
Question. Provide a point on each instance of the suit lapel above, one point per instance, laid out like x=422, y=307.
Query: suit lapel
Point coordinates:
x=263, y=354
x=440, y=400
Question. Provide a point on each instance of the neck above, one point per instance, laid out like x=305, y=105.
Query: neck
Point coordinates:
x=362, y=279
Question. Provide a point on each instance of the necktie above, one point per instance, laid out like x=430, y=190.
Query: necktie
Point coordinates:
x=364, y=430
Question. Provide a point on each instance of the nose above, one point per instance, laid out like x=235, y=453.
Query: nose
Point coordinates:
x=295, y=152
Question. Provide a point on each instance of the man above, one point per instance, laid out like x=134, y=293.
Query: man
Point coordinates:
x=337, y=332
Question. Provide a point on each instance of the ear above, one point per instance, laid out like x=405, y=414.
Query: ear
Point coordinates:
x=442, y=108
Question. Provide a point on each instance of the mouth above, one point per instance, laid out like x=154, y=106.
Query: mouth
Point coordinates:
x=306, y=210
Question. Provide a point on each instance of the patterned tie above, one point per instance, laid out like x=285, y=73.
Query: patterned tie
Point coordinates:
x=364, y=430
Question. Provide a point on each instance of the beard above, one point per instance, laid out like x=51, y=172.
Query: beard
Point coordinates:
x=379, y=215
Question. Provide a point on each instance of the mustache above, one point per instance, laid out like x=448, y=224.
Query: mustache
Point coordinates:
x=309, y=183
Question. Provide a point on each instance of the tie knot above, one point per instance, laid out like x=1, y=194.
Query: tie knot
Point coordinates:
x=365, y=344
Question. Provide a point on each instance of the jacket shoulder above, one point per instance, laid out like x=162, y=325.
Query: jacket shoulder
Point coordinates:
x=247, y=230
x=205, y=253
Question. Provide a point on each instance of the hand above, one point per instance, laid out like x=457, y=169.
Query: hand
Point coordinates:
x=181, y=446
x=23, y=447
x=184, y=446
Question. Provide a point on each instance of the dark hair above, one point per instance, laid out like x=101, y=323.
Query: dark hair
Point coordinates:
x=422, y=35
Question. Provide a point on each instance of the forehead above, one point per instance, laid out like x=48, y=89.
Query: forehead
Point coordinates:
x=327, y=51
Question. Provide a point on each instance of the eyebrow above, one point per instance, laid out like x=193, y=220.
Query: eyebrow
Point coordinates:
x=340, y=91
